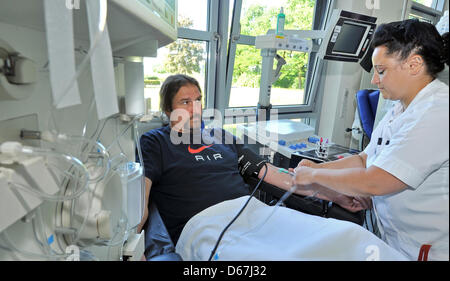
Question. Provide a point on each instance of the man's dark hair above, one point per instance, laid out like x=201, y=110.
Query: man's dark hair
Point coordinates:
x=170, y=88
x=405, y=37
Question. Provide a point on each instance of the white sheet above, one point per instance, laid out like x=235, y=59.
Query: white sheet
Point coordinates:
x=287, y=235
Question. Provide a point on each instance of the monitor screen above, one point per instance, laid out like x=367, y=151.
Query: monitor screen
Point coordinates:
x=349, y=38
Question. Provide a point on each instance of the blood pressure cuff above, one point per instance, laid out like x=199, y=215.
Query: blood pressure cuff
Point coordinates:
x=249, y=163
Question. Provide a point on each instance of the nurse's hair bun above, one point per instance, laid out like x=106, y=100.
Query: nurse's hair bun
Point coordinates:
x=444, y=57
x=403, y=38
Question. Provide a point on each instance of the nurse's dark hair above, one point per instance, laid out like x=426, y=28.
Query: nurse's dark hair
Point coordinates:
x=413, y=36
x=170, y=88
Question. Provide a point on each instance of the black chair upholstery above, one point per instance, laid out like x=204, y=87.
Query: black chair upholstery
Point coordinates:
x=158, y=244
x=367, y=103
x=270, y=194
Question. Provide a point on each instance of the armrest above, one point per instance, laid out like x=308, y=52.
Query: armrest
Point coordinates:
x=310, y=206
x=158, y=244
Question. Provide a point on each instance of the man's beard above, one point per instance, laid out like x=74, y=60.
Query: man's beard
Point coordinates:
x=196, y=121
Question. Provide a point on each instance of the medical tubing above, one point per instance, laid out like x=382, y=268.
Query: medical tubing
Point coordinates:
x=38, y=221
x=91, y=194
x=74, y=161
x=117, y=233
x=90, y=109
x=39, y=231
x=124, y=131
x=115, y=133
x=43, y=195
x=84, y=144
x=141, y=162
x=102, y=151
x=103, y=126
x=132, y=122
x=85, y=219
x=238, y=214
x=113, y=165
x=83, y=64
x=10, y=246
x=96, y=128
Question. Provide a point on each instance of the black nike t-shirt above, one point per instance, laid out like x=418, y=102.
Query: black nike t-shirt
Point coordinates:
x=188, y=178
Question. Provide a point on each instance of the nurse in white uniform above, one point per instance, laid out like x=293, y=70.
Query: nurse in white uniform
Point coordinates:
x=405, y=167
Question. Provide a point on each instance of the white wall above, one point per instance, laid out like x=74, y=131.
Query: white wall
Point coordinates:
x=344, y=79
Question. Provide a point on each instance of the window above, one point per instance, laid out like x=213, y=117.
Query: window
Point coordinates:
x=182, y=56
x=246, y=77
x=433, y=4
x=421, y=17
x=427, y=10
x=219, y=37
x=427, y=3
x=196, y=11
x=256, y=18
x=187, y=55
x=289, y=89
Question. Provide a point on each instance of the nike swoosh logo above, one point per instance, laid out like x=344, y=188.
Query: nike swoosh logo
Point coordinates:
x=198, y=150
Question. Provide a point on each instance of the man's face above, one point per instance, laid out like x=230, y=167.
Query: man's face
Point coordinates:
x=186, y=109
x=391, y=75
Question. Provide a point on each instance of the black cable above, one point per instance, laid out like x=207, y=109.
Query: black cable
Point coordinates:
x=365, y=220
x=238, y=214
x=371, y=221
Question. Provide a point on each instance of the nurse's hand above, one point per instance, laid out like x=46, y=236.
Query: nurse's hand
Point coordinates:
x=303, y=175
x=366, y=202
x=348, y=202
x=304, y=179
x=305, y=163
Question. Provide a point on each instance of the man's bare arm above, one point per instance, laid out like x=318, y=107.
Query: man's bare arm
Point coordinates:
x=148, y=186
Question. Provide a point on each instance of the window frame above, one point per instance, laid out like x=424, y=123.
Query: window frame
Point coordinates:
x=433, y=13
x=210, y=37
x=221, y=51
x=313, y=73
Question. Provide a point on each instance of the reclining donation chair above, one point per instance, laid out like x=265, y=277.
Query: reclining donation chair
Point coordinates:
x=367, y=102
x=158, y=244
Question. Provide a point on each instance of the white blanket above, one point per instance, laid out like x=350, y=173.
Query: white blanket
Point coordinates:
x=286, y=235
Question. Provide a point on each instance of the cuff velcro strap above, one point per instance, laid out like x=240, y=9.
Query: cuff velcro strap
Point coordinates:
x=250, y=163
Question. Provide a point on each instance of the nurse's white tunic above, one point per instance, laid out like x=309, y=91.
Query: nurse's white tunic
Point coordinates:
x=413, y=145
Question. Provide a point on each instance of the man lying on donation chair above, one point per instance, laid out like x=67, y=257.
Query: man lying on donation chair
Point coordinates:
x=195, y=176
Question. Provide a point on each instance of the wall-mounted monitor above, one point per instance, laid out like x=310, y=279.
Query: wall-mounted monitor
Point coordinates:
x=348, y=36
